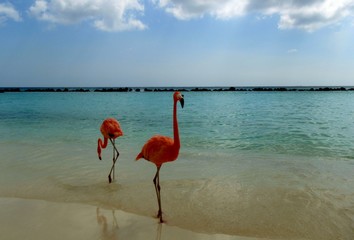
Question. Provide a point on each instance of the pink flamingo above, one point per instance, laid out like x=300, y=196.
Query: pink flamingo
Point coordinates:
x=160, y=149
x=110, y=129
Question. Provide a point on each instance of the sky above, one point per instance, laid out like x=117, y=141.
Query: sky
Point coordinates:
x=143, y=43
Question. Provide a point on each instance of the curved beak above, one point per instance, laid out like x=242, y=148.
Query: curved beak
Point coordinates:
x=182, y=101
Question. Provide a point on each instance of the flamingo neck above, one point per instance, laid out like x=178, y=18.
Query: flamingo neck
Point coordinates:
x=105, y=142
x=101, y=145
x=175, y=126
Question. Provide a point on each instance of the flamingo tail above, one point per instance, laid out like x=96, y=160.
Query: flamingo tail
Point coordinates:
x=140, y=155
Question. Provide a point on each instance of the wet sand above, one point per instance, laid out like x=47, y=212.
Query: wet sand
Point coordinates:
x=38, y=219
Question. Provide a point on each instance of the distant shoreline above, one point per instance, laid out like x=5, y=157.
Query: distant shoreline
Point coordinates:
x=171, y=89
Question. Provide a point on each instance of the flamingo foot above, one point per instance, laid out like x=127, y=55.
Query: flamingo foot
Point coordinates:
x=159, y=215
x=109, y=179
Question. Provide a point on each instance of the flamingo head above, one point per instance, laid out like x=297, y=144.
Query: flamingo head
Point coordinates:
x=116, y=133
x=177, y=96
x=110, y=128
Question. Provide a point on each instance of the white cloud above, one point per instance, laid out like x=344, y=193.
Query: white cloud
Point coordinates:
x=7, y=11
x=105, y=15
x=293, y=50
x=188, y=9
x=121, y=15
x=314, y=15
x=308, y=15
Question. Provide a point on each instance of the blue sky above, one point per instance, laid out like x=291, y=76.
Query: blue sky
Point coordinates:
x=93, y=43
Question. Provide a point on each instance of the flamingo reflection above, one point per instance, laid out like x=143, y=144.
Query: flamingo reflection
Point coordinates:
x=107, y=233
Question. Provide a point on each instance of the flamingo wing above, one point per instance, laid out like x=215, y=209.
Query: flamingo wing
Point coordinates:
x=158, y=149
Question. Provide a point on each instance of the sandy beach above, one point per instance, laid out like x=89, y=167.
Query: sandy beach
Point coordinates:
x=38, y=219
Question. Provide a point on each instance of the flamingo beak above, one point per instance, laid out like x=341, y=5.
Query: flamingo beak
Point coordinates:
x=182, y=101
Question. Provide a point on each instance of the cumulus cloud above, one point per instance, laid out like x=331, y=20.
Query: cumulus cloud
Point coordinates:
x=121, y=15
x=7, y=11
x=312, y=15
x=105, y=15
x=188, y=9
x=308, y=15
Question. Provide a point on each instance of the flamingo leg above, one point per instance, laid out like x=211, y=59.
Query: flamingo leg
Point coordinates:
x=115, y=157
x=158, y=231
x=115, y=222
x=158, y=194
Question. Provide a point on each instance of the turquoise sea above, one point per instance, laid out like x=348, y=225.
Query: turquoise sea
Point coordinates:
x=275, y=165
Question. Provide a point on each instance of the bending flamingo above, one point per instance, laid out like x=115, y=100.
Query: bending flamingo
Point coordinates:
x=110, y=129
x=160, y=149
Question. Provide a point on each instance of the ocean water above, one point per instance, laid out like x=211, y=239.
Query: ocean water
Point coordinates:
x=277, y=165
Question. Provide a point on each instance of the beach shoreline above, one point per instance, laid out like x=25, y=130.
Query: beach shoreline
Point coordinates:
x=39, y=219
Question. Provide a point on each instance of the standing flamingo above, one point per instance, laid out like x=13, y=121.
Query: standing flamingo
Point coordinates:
x=110, y=129
x=160, y=149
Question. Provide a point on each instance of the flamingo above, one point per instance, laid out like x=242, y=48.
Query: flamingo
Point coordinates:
x=110, y=129
x=161, y=149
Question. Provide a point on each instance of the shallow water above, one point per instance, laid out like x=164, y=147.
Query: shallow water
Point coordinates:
x=271, y=165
